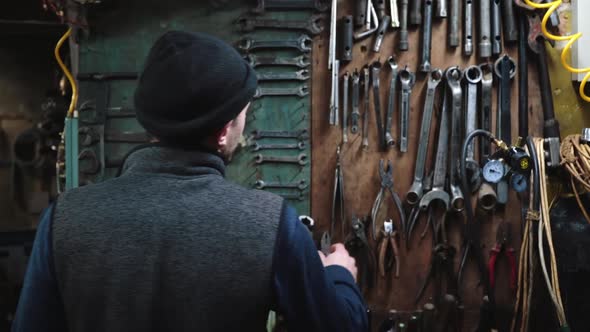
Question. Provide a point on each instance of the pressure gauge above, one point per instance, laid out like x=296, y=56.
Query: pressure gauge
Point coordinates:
x=494, y=170
x=518, y=182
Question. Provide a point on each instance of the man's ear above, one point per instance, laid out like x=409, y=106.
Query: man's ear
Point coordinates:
x=221, y=136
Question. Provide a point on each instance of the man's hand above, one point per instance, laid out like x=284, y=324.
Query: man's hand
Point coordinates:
x=339, y=256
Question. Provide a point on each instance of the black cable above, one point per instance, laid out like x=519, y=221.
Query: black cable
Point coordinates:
x=536, y=184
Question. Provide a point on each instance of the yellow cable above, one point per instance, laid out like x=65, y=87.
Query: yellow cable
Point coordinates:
x=552, y=7
x=69, y=76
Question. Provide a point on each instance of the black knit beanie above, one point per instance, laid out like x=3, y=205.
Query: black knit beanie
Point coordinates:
x=192, y=85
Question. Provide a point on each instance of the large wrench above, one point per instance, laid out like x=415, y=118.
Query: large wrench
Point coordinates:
x=487, y=85
x=415, y=193
x=485, y=27
x=441, y=8
x=468, y=28
x=303, y=44
x=416, y=12
x=261, y=184
x=301, y=159
x=301, y=75
x=278, y=146
x=496, y=27
x=375, y=71
x=300, y=91
x=366, y=77
x=345, y=92
x=407, y=80
x=389, y=141
x=301, y=61
x=314, y=25
x=510, y=30
x=356, y=90
x=454, y=76
x=454, y=24
x=426, y=37
x=403, y=33
x=473, y=76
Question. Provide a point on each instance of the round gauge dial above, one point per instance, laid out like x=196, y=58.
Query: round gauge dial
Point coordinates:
x=493, y=171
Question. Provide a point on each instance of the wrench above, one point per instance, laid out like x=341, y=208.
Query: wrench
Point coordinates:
x=300, y=134
x=301, y=75
x=301, y=159
x=416, y=12
x=318, y=5
x=375, y=71
x=391, y=102
x=441, y=8
x=335, y=98
x=354, y=125
x=314, y=25
x=381, y=33
x=302, y=44
x=454, y=24
x=505, y=69
x=403, y=33
x=496, y=27
x=473, y=76
x=300, y=91
x=394, y=13
x=468, y=28
x=366, y=76
x=301, y=61
x=454, y=76
x=510, y=30
x=407, y=80
x=415, y=193
x=260, y=184
x=485, y=27
x=438, y=193
x=487, y=82
x=346, y=42
x=278, y=146
x=332, y=39
x=345, y=92
x=426, y=37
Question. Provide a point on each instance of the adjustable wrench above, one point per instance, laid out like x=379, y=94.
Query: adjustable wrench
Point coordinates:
x=407, y=80
x=381, y=33
x=468, y=28
x=346, y=43
x=301, y=159
x=375, y=71
x=441, y=8
x=356, y=89
x=510, y=30
x=278, y=146
x=314, y=25
x=302, y=44
x=454, y=24
x=454, y=76
x=426, y=37
x=496, y=28
x=473, y=76
x=300, y=91
x=416, y=12
x=260, y=184
x=366, y=77
x=403, y=33
x=415, y=193
x=505, y=69
x=487, y=85
x=345, y=92
x=300, y=134
x=394, y=13
x=485, y=27
x=318, y=5
x=301, y=75
x=301, y=61
x=391, y=102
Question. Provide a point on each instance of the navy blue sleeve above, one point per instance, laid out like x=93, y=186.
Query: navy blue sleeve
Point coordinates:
x=40, y=307
x=309, y=296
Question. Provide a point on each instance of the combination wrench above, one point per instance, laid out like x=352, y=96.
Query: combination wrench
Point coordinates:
x=510, y=30
x=485, y=27
x=416, y=190
x=345, y=92
x=454, y=76
x=468, y=28
x=302, y=61
x=366, y=81
x=300, y=134
x=496, y=27
x=473, y=76
x=314, y=25
x=426, y=37
x=394, y=13
x=416, y=12
x=441, y=8
x=356, y=89
x=375, y=71
x=403, y=44
x=454, y=24
x=407, y=80
x=389, y=141
x=301, y=159
x=278, y=146
x=300, y=91
x=302, y=44
x=301, y=75
x=261, y=185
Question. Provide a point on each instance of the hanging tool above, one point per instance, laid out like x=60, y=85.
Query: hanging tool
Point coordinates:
x=468, y=28
x=346, y=43
x=496, y=27
x=360, y=13
x=354, y=117
x=371, y=25
x=523, y=77
x=394, y=13
x=345, y=91
x=407, y=80
x=335, y=98
x=389, y=141
x=416, y=12
x=358, y=247
x=454, y=76
x=503, y=240
x=333, y=65
x=338, y=195
x=473, y=76
x=454, y=24
x=381, y=33
x=366, y=112
x=485, y=27
x=426, y=37
x=403, y=44
x=388, y=257
x=441, y=265
x=386, y=175
x=509, y=18
x=375, y=71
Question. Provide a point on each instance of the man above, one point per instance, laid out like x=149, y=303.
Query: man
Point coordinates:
x=170, y=245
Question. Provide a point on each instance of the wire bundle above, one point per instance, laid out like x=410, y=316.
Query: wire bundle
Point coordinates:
x=575, y=157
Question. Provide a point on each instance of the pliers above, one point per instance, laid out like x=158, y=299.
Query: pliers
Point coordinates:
x=388, y=240
x=358, y=246
x=338, y=196
x=387, y=185
x=503, y=239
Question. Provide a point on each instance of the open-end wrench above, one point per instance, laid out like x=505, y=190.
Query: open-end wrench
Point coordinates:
x=300, y=91
x=426, y=37
x=468, y=28
x=407, y=80
x=346, y=41
x=366, y=114
x=441, y=8
x=455, y=14
x=300, y=134
x=496, y=27
x=375, y=71
x=416, y=12
x=260, y=184
x=301, y=61
x=335, y=94
x=314, y=25
x=303, y=44
x=485, y=27
x=438, y=193
x=473, y=76
x=385, y=20
x=301, y=75
x=394, y=13
x=415, y=193
x=403, y=44
x=278, y=146
x=301, y=159
x=389, y=141
x=356, y=90
x=318, y=5
x=345, y=92
x=505, y=69
x=487, y=85
x=510, y=30
x=454, y=76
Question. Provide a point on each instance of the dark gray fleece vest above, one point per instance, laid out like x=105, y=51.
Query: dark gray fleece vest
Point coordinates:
x=170, y=245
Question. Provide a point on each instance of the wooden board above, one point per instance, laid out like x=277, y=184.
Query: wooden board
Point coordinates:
x=361, y=178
